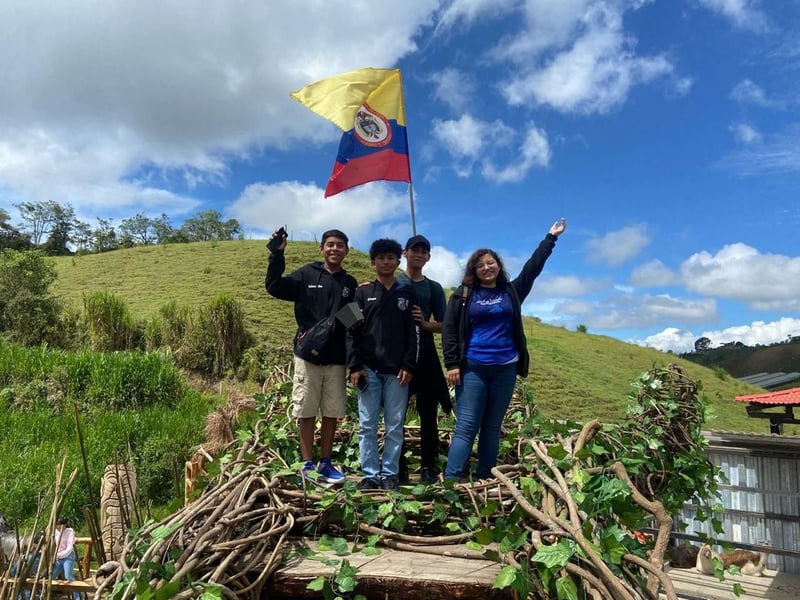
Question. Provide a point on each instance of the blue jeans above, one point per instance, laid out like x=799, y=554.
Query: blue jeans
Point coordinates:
x=382, y=391
x=481, y=403
x=67, y=566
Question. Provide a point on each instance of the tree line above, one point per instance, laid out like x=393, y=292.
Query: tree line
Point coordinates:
x=54, y=229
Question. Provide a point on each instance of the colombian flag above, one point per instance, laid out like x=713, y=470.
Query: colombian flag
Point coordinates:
x=368, y=105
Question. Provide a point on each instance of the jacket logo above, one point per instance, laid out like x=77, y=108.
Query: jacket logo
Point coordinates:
x=345, y=292
x=402, y=303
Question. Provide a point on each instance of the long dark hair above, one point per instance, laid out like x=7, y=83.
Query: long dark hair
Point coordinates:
x=471, y=272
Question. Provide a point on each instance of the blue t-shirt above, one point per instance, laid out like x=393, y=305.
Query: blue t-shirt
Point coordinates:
x=491, y=316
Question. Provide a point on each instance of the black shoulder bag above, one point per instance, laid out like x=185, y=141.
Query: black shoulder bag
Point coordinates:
x=310, y=343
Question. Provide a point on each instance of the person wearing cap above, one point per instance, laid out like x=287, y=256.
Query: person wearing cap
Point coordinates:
x=320, y=387
x=484, y=347
x=428, y=387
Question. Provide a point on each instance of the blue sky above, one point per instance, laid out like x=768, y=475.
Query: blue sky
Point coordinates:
x=667, y=133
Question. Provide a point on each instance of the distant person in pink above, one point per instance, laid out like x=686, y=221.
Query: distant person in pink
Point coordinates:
x=64, y=538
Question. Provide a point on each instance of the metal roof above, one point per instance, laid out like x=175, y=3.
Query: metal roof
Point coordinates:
x=770, y=380
x=783, y=397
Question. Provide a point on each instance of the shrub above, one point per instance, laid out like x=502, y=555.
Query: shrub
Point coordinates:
x=109, y=324
x=29, y=313
x=216, y=339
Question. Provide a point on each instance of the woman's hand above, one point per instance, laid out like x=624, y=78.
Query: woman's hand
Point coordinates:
x=453, y=377
x=558, y=227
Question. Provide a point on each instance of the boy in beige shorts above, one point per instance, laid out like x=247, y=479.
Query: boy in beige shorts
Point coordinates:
x=319, y=386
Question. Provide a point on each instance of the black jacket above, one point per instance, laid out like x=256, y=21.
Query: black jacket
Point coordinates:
x=456, y=329
x=389, y=338
x=315, y=292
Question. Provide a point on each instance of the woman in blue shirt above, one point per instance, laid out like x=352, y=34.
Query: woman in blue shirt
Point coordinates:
x=484, y=349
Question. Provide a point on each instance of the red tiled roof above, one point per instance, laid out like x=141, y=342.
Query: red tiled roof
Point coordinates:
x=783, y=397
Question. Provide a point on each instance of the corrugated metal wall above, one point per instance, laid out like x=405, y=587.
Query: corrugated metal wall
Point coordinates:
x=761, y=498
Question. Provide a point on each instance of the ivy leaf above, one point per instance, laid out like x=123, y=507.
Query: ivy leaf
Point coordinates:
x=411, y=506
x=340, y=546
x=555, y=556
x=505, y=578
x=484, y=536
x=566, y=589
x=474, y=546
x=317, y=584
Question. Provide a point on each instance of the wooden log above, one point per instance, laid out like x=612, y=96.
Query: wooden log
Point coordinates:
x=394, y=574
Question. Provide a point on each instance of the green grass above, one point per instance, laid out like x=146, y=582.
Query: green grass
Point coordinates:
x=573, y=374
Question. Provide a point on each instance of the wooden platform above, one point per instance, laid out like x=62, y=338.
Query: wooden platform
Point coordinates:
x=395, y=574
x=691, y=584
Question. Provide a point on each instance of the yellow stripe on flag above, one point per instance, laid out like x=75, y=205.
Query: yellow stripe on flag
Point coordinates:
x=338, y=98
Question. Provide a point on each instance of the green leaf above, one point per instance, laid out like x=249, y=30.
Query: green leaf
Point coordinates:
x=566, y=588
x=505, y=577
x=555, y=556
x=340, y=546
x=474, y=546
x=317, y=584
x=484, y=536
x=168, y=590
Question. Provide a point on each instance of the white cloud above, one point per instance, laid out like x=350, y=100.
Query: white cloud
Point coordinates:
x=757, y=332
x=463, y=138
x=774, y=154
x=445, y=267
x=534, y=152
x=569, y=286
x=747, y=92
x=262, y=208
x=594, y=65
x=470, y=141
x=745, y=14
x=453, y=87
x=469, y=11
x=181, y=89
x=620, y=246
x=740, y=272
x=652, y=274
x=745, y=133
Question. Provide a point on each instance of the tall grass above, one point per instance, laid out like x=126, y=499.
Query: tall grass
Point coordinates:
x=112, y=380
x=109, y=324
x=217, y=339
x=157, y=440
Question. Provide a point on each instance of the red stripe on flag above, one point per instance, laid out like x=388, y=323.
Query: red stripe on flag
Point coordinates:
x=386, y=165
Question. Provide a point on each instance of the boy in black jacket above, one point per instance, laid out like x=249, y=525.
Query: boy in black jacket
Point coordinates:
x=382, y=356
x=317, y=289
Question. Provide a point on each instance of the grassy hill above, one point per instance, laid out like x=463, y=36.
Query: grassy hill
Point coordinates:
x=573, y=374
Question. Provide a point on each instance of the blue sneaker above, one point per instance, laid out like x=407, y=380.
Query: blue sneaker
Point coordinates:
x=307, y=468
x=328, y=473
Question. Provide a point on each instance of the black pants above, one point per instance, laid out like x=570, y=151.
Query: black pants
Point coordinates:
x=430, y=390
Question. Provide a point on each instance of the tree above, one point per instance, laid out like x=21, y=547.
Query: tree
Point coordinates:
x=41, y=218
x=62, y=224
x=702, y=344
x=104, y=237
x=29, y=313
x=207, y=226
x=10, y=236
x=139, y=230
x=164, y=232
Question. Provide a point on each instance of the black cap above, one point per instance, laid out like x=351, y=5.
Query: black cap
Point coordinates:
x=418, y=240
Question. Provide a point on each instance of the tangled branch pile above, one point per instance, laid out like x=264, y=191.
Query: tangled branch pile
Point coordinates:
x=564, y=518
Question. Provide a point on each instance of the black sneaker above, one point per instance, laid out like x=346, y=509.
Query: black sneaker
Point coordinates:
x=369, y=483
x=428, y=475
x=390, y=483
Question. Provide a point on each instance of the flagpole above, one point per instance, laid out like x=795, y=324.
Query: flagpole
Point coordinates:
x=413, y=218
x=410, y=188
